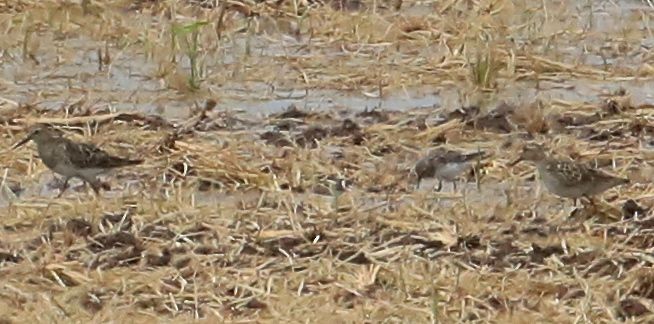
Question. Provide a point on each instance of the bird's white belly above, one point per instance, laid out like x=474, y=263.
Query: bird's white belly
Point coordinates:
x=450, y=171
x=91, y=172
x=64, y=169
x=69, y=171
x=555, y=186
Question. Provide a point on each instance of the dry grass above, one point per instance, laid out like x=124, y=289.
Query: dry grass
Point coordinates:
x=235, y=217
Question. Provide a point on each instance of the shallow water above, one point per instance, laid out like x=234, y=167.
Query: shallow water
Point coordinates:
x=64, y=76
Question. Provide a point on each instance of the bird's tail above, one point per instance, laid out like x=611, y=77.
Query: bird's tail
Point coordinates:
x=617, y=181
x=475, y=155
x=120, y=162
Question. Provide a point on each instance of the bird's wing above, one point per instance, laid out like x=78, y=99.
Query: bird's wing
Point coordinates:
x=571, y=173
x=426, y=167
x=458, y=157
x=84, y=155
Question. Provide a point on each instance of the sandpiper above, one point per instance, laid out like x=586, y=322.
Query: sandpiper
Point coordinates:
x=566, y=178
x=71, y=159
x=444, y=165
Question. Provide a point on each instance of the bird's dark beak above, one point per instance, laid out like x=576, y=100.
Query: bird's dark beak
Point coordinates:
x=23, y=141
x=516, y=161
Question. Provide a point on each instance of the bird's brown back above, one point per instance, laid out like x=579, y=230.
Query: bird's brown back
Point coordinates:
x=84, y=155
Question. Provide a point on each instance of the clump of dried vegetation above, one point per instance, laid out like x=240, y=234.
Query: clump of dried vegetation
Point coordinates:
x=307, y=215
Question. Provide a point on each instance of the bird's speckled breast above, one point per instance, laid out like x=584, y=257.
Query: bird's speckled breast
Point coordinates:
x=451, y=170
x=54, y=158
x=554, y=179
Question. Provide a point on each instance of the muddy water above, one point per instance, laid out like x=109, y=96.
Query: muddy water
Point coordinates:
x=128, y=84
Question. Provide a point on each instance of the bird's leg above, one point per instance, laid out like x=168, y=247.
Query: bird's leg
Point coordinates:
x=475, y=171
x=440, y=185
x=84, y=185
x=454, y=184
x=94, y=183
x=95, y=187
x=64, y=186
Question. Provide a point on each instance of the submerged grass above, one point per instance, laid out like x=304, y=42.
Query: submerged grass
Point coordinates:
x=188, y=36
x=484, y=70
x=310, y=216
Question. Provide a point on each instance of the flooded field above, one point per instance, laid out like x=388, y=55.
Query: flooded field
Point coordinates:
x=279, y=143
